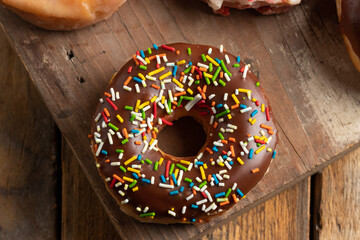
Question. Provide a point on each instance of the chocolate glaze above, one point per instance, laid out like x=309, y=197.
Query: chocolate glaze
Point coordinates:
x=350, y=22
x=157, y=199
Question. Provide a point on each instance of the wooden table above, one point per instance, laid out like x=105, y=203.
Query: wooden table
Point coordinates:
x=314, y=93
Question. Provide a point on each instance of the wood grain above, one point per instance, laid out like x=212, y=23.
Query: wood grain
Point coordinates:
x=304, y=66
x=28, y=163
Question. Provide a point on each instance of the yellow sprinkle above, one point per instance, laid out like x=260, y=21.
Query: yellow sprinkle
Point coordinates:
x=163, y=99
x=262, y=138
x=120, y=118
x=156, y=71
x=269, y=149
x=221, y=164
x=259, y=149
x=181, y=62
x=128, y=179
x=141, y=76
x=153, y=99
x=202, y=171
x=253, y=99
x=256, y=137
x=156, y=130
x=180, y=85
x=262, y=107
x=165, y=75
x=144, y=104
x=185, y=162
x=144, y=137
x=133, y=170
x=229, y=116
x=235, y=98
x=129, y=160
x=244, y=90
x=135, y=189
x=208, y=75
x=253, y=121
x=137, y=105
x=147, y=60
x=211, y=60
x=151, y=141
x=161, y=160
x=240, y=161
x=190, y=91
x=205, y=166
x=176, y=172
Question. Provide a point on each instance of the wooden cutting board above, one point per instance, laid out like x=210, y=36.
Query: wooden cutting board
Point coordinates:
x=299, y=56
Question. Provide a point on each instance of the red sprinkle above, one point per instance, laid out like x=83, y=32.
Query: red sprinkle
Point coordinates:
x=267, y=114
x=167, y=169
x=257, y=103
x=112, y=183
x=260, y=141
x=112, y=104
x=167, y=122
x=204, y=195
x=129, y=69
x=154, y=109
x=168, y=48
x=104, y=116
x=198, y=71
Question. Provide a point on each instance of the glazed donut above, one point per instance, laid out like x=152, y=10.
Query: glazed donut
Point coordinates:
x=63, y=14
x=182, y=133
x=349, y=17
x=263, y=6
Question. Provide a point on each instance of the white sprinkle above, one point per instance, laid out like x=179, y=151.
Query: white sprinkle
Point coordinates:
x=248, y=94
x=262, y=132
x=211, y=96
x=121, y=193
x=203, y=188
x=111, y=132
x=198, y=179
x=192, y=103
x=165, y=58
x=163, y=185
x=189, y=197
x=118, y=184
x=227, y=77
x=143, y=83
x=209, y=51
x=202, y=65
x=227, y=59
x=269, y=140
x=138, y=209
x=172, y=213
x=196, y=188
x=219, y=177
x=181, y=173
x=179, y=90
x=141, y=59
x=231, y=126
x=107, y=179
x=221, y=48
x=137, y=88
x=229, y=130
x=127, y=88
x=115, y=164
x=226, y=176
x=103, y=124
x=223, y=171
x=234, y=186
x=159, y=121
x=191, y=81
x=161, y=105
x=150, y=78
x=126, y=186
x=96, y=134
x=146, y=108
x=158, y=60
x=245, y=109
x=226, y=96
x=98, y=128
x=146, y=145
x=213, y=110
x=250, y=139
x=117, y=95
x=170, y=96
x=99, y=149
x=152, y=180
x=218, y=144
x=190, y=166
x=146, y=209
x=243, y=146
x=153, y=144
x=101, y=100
x=208, y=195
x=167, y=109
x=125, y=201
x=201, y=201
x=185, y=78
x=222, y=130
x=221, y=184
x=236, y=91
x=211, y=207
x=98, y=117
x=183, y=211
x=112, y=94
x=246, y=69
x=203, y=207
x=212, y=119
x=121, y=155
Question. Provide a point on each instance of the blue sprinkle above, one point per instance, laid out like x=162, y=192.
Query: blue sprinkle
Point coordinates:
x=251, y=153
x=215, y=149
x=192, y=220
x=142, y=54
x=254, y=113
x=174, y=71
x=139, y=157
x=174, y=179
x=239, y=192
x=135, y=175
x=145, y=180
x=181, y=189
x=136, y=79
x=218, y=60
x=163, y=180
x=190, y=63
x=174, y=192
x=231, y=162
x=243, y=106
x=199, y=163
x=225, y=157
x=274, y=154
x=156, y=47
x=194, y=206
x=238, y=59
x=104, y=152
x=222, y=194
x=135, y=131
x=191, y=184
x=219, y=105
x=215, y=179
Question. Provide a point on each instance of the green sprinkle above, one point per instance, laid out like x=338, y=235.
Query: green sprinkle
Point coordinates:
x=236, y=65
x=207, y=80
x=113, y=127
x=119, y=151
x=222, y=83
x=187, y=70
x=133, y=184
x=149, y=51
x=257, y=84
x=181, y=167
x=122, y=169
x=124, y=141
x=210, y=67
x=169, y=104
x=203, y=57
x=188, y=98
x=151, y=214
x=187, y=180
x=128, y=108
x=171, y=168
x=225, y=69
x=243, y=98
x=156, y=165
x=142, y=162
x=216, y=73
x=180, y=100
x=148, y=161
x=189, y=51
x=143, y=114
x=202, y=184
x=221, y=199
x=197, y=82
x=222, y=113
x=132, y=117
x=228, y=192
x=258, y=144
x=221, y=136
x=143, y=67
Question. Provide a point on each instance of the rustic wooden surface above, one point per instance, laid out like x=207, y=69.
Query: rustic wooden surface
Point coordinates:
x=78, y=213
x=304, y=65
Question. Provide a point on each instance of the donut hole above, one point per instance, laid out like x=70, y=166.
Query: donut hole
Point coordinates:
x=184, y=138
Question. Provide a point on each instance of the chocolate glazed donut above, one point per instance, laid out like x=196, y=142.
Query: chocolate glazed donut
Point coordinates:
x=349, y=18
x=182, y=133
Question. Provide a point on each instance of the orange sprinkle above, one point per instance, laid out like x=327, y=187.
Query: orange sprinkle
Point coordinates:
x=90, y=136
x=197, y=77
x=177, y=52
x=231, y=139
x=135, y=60
x=171, y=181
x=248, y=135
x=175, y=103
x=215, y=125
x=127, y=80
x=203, y=95
x=265, y=126
x=192, y=69
x=213, y=103
x=203, y=69
x=118, y=178
x=180, y=94
x=209, y=150
x=232, y=150
x=107, y=94
x=181, y=78
x=199, y=89
x=211, y=159
x=107, y=160
x=126, y=135
x=182, y=73
x=234, y=197
x=224, y=141
x=209, y=178
x=155, y=86
x=224, y=203
x=255, y=170
x=106, y=112
x=95, y=147
x=147, y=131
x=137, y=143
x=183, y=219
x=154, y=56
x=234, y=106
x=194, y=192
x=200, y=221
x=204, y=88
x=221, y=74
x=153, y=134
x=270, y=132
